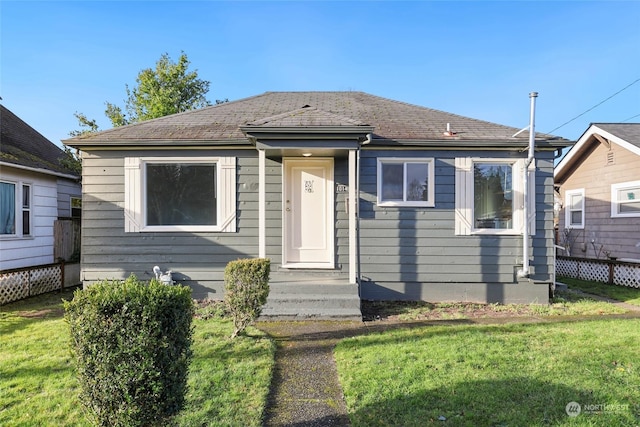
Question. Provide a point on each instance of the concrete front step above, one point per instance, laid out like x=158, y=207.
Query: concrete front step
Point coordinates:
x=308, y=313
x=312, y=289
x=312, y=299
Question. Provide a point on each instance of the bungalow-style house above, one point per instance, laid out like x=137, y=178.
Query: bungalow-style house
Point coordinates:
x=345, y=192
x=599, y=186
x=36, y=189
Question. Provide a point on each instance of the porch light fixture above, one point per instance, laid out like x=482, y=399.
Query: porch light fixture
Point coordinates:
x=306, y=154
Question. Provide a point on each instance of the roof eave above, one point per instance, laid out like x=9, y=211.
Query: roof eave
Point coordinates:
x=155, y=143
x=459, y=143
x=306, y=132
x=574, y=155
x=40, y=170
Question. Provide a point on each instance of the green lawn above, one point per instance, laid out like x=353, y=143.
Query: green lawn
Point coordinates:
x=228, y=380
x=620, y=293
x=499, y=375
x=462, y=375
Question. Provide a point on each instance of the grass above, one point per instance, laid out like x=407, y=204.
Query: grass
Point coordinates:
x=228, y=380
x=620, y=293
x=470, y=375
x=499, y=375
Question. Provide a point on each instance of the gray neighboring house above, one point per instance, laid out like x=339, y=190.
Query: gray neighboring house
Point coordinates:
x=388, y=200
x=599, y=186
x=35, y=191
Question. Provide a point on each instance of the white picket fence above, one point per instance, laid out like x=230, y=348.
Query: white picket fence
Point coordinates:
x=599, y=270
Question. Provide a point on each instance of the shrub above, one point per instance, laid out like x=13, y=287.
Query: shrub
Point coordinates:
x=246, y=283
x=132, y=347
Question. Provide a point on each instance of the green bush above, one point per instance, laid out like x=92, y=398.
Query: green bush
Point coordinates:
x=132, y=347
x=246, y=283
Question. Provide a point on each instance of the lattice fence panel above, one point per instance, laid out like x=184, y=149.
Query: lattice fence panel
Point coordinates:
x=627, y=275
x=594, y=271
x=14, y=286
x=45, y=279
x=19, y=284
x=566, y=267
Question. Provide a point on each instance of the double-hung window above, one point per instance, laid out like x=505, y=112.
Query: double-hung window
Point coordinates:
x=625, y=199
x=26, y=210
x=15, y=209
x=574, y=210
x=406, y=182
x=180, y=194
x=489, y=196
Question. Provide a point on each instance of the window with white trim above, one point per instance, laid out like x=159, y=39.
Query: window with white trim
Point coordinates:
x=406, y=182
x=574, y=209
x=489, y=196
x=15, y=209
x=26, y=210
x=180, y=194
x=625, y=199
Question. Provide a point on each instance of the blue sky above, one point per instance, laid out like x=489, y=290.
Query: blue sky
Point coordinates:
x=477, y=59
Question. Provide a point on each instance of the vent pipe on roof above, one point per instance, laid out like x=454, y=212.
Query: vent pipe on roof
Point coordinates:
x=524, y=271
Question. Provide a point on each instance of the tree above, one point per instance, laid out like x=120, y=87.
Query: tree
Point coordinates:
x=169, y=88
x=86, y=125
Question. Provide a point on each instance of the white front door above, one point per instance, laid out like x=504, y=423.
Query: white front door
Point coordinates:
x=308, y=213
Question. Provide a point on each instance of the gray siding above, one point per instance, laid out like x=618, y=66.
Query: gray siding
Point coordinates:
x=196, y=259
x=66, y=190
x=406, y=253
x=413, y=253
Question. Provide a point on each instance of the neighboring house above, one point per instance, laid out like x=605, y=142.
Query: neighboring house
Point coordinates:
x=407, y=202
x=35, y=191
x=599, y=183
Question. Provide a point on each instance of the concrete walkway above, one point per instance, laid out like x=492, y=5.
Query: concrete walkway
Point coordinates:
x=305, y=390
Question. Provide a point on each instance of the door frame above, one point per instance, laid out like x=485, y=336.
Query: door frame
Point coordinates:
x=287, y=163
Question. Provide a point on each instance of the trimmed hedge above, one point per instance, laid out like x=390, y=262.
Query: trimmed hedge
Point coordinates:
x=132, y=347
x=246, y=283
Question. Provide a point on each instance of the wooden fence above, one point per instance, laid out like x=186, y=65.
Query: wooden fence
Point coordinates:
x=599, y=270
x=19, y=283
x=66, y=237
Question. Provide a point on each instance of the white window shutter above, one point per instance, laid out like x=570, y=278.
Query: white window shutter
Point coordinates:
x=227, y=194
x=132, y=194
x=464, y=196
x=518, y=186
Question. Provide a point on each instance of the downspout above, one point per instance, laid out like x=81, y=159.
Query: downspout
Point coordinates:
x=524, y=272
x=358, y=268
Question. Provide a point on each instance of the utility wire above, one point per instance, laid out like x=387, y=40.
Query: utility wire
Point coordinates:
x=597, y=105
x=630, y=118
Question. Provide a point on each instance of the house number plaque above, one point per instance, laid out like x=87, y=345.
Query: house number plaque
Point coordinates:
x=308, y=186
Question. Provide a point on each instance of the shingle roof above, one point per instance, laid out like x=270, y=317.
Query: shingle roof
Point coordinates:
x=391, y=120
x=22, y=145
x=630, y=132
